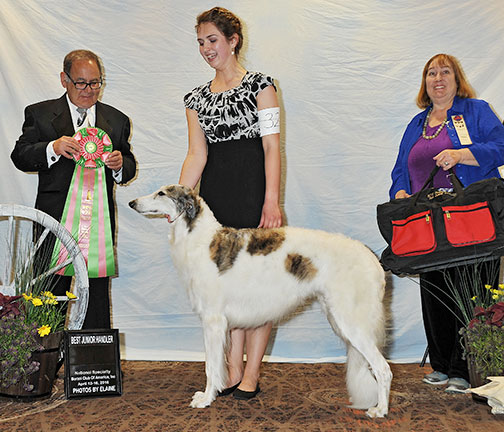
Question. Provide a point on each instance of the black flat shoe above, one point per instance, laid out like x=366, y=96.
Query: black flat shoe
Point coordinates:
x=229, y=390
x=246, y=395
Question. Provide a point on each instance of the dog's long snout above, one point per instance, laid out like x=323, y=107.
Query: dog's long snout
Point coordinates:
x=133, y=204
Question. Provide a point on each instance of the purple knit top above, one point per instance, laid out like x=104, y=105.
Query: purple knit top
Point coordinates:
x=420, y=162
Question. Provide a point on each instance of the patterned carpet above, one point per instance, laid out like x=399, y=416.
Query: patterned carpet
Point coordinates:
x=295, y=397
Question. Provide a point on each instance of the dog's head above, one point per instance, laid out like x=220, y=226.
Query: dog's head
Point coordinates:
x=172, y=202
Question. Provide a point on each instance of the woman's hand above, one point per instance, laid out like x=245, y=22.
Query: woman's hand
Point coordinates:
x=449, y=158
x=401, y=194
x=271, y=216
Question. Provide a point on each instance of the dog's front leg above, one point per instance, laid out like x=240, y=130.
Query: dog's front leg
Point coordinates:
x=215, y=330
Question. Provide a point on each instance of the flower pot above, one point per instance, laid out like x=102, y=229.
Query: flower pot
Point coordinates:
x=42, y=380
x=476, y=379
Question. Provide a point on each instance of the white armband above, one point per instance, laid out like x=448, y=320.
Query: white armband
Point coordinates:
x=269, y=121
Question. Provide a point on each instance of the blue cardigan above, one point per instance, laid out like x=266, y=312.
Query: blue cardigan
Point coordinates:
x=487, y=136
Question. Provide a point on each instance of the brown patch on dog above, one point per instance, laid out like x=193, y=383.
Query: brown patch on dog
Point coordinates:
x=225, y=247
x=301, y=267
x=265, y=241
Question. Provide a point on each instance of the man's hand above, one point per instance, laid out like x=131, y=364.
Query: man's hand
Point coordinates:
x=67, y=147
x=115, y=160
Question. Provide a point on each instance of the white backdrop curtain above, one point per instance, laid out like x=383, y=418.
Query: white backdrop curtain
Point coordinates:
x=347, y=74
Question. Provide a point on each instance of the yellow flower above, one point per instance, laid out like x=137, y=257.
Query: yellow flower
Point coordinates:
x=488, y=287
x=501, y=286
x=51, y=301
x=474, y=298
x=495, y=296
x=27, y=297
x=70, y=295
x=37, y=302
x=48, y=294
x=44, y=330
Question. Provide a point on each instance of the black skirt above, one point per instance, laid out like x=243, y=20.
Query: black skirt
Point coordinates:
x=233, y=182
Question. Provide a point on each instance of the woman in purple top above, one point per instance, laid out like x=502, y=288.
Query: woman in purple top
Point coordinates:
x=454, y=131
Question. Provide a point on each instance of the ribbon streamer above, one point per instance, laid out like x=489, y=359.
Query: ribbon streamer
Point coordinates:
x=86, y=214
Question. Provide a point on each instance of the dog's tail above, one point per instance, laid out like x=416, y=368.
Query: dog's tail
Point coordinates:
x=361, y=383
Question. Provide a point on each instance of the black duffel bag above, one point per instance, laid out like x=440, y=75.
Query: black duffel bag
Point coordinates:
x=434, y=229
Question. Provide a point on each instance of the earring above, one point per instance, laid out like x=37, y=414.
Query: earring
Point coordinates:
x=232, y=52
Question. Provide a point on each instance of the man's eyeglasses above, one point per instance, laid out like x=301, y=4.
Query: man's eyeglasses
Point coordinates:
x=82, y=85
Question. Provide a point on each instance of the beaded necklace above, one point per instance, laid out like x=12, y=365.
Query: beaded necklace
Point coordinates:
x=426, y=122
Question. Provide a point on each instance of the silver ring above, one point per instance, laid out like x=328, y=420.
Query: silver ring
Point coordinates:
x=447, y=163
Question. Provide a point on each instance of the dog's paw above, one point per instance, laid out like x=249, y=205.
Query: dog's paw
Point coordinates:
x=376, y=412
x=200, y=400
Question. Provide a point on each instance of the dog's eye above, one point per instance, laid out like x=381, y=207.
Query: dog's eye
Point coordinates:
x=161, y=193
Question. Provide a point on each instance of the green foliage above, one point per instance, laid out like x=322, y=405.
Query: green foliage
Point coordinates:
x=471, y=287
x=45, y=311
x=34, y=283
x=485, y=346
x=480, y=300
x=33, y=313
x=18, y=340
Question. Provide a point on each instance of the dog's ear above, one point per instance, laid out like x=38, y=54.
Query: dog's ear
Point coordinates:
x=189, y=204
x=190, y=208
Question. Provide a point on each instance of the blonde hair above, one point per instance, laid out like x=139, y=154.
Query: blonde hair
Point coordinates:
x=464, y=89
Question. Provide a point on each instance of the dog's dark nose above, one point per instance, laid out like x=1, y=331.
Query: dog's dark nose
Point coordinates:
x=132, y=204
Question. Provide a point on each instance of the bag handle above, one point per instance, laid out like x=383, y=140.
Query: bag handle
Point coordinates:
x=430, y=179
x=458, y=187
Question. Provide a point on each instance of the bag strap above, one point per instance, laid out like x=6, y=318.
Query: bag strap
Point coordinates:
x=458, y=187
x=430, y=180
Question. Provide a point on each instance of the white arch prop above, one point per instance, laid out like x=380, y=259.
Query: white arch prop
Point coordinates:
x=78, y=308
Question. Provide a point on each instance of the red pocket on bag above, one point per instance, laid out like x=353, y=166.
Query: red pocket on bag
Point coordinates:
x=468, y=225
x=413, y=235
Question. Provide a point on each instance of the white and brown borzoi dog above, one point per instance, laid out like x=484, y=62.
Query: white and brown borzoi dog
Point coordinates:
x=244, y=278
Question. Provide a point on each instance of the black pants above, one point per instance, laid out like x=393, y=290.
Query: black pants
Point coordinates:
x=440, y=320
x=442, y=326
x=98, y=311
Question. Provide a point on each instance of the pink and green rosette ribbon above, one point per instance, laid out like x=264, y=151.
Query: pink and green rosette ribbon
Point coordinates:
x=86, y=214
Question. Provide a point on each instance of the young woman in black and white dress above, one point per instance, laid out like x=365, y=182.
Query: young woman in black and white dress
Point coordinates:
x=234, y=149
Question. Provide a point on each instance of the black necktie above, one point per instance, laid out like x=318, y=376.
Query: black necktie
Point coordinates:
x=83, y=115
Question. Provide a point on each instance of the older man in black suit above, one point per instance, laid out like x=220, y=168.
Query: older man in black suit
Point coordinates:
x=47, y=147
